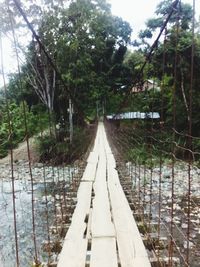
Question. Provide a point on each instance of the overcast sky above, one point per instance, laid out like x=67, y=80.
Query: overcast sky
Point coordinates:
x=136, y=12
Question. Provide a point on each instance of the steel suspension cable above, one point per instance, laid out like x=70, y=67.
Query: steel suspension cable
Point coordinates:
x=148, y=57
x=27, y=141
x=161, y=130
x=174, y=89
x=51, y=62
x=189, y=136
x=47, y=215
x=10, y=130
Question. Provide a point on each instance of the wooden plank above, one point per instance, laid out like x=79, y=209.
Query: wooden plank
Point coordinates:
x=108, y=221
x=130, y=245
x=74, y=250
x=90, y=172
x=93, y=157
x=104, y=252
x=83, y=203
x=73, y=253
x=102, y=224
x=106, y=144
x=97, y=139
x=111, y=160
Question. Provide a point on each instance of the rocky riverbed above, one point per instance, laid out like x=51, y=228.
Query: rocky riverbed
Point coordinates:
x=45, y=183
x=148, y=183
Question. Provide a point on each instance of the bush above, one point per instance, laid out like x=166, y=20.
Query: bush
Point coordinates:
x=56, y=149
x=36, y=122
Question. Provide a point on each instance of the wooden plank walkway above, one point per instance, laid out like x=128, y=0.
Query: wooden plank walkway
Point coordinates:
x=103, y=232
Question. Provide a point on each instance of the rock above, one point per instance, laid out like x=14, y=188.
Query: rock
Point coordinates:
x=185, y=244
x=166, y=173
x=58, y=197
x=49, y=198
x=167, y=219
x=177, y=207
x=43, y=201
x=169, y=201
x=39, y=165
x=177, y=220
x=184, y=226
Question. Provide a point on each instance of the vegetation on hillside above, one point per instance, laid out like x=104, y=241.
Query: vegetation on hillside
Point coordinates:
x=88, y=45
x=90, y=48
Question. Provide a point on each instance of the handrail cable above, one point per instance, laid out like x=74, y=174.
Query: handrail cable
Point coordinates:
x=10, y=138
x=148, y=57
x=27, y=142
x=53, y=65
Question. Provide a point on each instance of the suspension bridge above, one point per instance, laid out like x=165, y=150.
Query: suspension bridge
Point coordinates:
x=103, y=231
x=132, y=199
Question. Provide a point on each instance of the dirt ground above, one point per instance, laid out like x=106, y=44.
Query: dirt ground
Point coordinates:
x=20, y=153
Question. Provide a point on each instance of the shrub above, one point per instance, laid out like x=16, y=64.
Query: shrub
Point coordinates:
x=36, y=122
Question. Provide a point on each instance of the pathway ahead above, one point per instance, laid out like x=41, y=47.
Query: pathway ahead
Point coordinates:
x=103, y=232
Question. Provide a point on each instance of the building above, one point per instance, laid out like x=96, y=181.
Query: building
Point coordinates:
x=134, y=115
x=146, y=86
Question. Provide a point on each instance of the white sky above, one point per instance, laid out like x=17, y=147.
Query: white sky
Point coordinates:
x=136, y=12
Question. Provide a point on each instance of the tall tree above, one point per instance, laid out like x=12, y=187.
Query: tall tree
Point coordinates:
x=88, y=44
x=178, y=42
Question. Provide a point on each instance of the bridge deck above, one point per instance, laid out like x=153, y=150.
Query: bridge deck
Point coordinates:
x=103, y=232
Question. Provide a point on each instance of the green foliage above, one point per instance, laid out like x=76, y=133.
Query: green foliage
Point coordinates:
x=46, y=146
x=183, y=11
x=89, y=46
x=56, y=149
x=138, y=154
x=14, y=132
x=177, y=46
x=87, y=43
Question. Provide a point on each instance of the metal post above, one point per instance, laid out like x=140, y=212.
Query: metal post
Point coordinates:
x=70, y=121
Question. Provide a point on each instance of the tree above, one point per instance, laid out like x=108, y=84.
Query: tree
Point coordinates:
x=96, y=48
x=42, y=78
x=178, y=45
x=88, y=45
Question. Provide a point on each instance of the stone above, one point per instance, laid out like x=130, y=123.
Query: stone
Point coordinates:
x=167, y=219
x=184, y=226
x=185, y=244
